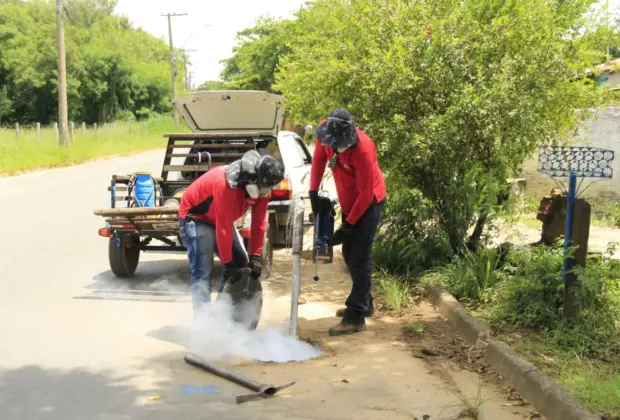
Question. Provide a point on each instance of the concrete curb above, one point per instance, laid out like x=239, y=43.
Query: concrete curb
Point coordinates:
x=550, y=399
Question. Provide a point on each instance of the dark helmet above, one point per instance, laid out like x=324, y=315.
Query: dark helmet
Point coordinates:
x=252, y=168
x=338, y=130
x=269, y=171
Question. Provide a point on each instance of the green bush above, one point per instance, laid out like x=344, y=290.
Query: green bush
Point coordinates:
x=408, y=239
x=615, y=215
x=532, y=295
x=471, y=277
x=525, y=290
x=397, y=293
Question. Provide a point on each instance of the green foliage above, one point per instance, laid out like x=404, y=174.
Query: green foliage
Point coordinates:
x=453, y=113
x=408, y=238
x=256, y=57
x=472, y=277
x=524, y=288
x=532, y=296
x=594, y=383
x=212, y=85
x=31, y=152
x=397, y=293
x=111, y=66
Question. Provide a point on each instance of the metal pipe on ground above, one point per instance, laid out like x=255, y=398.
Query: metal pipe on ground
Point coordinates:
x=298, y=238
x=261, y=390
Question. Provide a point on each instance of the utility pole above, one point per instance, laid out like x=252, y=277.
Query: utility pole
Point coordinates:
x=172, y=69
x=63, y=114
x=187, y=84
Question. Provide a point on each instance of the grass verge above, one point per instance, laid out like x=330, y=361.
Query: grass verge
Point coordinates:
x=32, y=151
x=595, y=383
x=519, y=293
x=395, y=291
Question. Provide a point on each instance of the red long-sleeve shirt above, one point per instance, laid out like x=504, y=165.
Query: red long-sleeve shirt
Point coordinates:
x=357, y=176
x=224, y=205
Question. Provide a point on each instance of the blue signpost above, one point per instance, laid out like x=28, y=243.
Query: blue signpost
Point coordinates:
x=573, y=162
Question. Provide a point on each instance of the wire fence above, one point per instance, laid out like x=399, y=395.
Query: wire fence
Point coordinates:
x=44, y=133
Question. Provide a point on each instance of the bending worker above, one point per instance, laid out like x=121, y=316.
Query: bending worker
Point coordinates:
x=361, y=190
x=207, y=214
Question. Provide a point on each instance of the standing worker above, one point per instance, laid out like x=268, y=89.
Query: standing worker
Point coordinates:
x=207, y=214
x=361, y=191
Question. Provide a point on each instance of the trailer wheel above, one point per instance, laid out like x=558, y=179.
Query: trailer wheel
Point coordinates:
x=123, y=256
x=247, y=298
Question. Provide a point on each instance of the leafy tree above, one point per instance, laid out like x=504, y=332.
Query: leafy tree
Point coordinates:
x=112, y=68
x=255, y=60
x=212, y=85
x=456, y=95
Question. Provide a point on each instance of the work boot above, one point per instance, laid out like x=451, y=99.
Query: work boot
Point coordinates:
x=340, y=312
x=345, y=328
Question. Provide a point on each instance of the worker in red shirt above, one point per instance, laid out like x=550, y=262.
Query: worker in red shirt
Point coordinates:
x=208, y=210
x=361, y=191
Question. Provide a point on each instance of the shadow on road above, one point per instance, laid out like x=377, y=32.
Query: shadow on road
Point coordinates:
x=31, y=392
x=156, y=281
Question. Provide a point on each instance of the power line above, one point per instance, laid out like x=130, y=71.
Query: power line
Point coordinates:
x=187, y=83
x=172, y=67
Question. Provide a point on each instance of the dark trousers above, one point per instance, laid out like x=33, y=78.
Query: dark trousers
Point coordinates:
x=357, y=253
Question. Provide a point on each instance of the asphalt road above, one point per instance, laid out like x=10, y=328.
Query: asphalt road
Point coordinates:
x=74, y=344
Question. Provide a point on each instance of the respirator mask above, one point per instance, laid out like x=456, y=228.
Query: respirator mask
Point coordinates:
x=254, y=191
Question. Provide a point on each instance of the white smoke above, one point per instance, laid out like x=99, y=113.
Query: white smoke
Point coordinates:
x=215, y=336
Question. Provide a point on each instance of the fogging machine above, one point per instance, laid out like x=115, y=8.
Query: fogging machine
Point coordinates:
x=323, y=232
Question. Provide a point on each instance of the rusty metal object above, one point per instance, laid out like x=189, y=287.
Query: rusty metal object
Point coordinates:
x=552, y=214
x=261, y=390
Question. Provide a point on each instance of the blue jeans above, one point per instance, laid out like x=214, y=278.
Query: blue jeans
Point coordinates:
x=199, y=239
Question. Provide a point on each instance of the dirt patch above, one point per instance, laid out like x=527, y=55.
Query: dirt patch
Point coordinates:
x=391, y=369
x=432, y=338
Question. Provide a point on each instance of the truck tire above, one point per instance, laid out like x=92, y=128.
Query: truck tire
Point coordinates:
x=123, y=257
x=247, y=302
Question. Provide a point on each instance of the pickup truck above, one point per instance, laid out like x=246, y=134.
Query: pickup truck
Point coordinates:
x=224, y=125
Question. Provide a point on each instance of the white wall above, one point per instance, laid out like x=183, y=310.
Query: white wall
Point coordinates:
x=603, y=132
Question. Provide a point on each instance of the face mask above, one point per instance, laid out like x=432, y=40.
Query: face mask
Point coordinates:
x=254, y=191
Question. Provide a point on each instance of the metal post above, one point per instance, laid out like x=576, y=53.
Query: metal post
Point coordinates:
x=568, y=263
x=38, y=131
x=63, y=117
x=17, y=131
x=298, y=238
x=172, y=67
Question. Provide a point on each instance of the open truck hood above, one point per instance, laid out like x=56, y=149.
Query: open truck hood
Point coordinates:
x=238, y=111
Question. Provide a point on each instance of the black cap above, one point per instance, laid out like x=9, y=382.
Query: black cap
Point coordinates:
x=269, y=171
x=338, y=131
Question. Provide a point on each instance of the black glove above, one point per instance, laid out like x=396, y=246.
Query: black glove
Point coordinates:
x=314, y=201
x=255, y=266
x=346, y=227
x=340, y=235
x=233, y=271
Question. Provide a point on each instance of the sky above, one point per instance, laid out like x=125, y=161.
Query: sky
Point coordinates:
x=226, y=17
x=212, y=43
